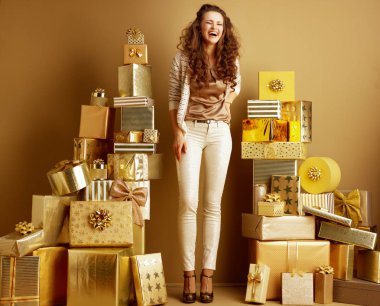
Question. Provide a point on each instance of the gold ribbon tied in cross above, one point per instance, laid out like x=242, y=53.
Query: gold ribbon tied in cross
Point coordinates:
x=348, y=206
x=255, y=278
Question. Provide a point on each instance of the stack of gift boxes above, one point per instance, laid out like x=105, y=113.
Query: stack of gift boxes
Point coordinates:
x=86, y=242
x=291, y=256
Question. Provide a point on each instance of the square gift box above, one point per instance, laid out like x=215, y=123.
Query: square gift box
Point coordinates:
x=137, y=118
x=135, y=54
x=91, y=149
x=96, y=122
x=288, y=187
x=297, y=289
x=257, y=285
x=276, y=85
x=128, y=166
x=135, y=80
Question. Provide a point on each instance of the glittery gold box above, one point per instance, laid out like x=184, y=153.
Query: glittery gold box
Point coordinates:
x=149, y=279
x=99, y=277
x=257, y=285
x=368, y=266
x=271, y=209
x=137, y=118
x=276, y=85
x=257, y=129
x=15, y=244
x=101, y=224
x=90, y=149
x=128, y=136
x=299, y=115
x=128, y=166
x=297, y=289
x=342, y=260
x=273, y=150
x=96, y=122
x=135, y=54
x=135, y=80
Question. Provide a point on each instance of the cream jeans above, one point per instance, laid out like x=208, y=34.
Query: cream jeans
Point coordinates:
x=213, y=141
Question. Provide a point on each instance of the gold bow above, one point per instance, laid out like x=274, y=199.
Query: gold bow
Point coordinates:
x=314, y=173
x=100, y=219
x=272, y=197
x=348, y=206
x=134, y=32
x=24, y=228
x=255, y=278
x=297, y=271
x=325, y=269
x=135, y=51
x=121, y=192
x=276, y=85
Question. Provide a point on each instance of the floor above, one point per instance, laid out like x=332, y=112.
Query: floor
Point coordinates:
x=223, y=296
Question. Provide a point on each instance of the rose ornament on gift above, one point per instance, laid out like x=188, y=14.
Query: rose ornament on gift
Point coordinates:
x=100, y=219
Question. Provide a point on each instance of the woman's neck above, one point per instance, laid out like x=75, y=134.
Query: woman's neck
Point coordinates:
x=209, y=49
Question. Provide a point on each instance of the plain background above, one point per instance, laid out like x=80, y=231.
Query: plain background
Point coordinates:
x=53, y=54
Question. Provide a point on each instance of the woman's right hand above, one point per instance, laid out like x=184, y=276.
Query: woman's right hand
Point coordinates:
x=179, y=145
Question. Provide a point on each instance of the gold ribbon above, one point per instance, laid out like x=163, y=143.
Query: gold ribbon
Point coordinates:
x=135, y=33
x=255, y=278
x=120, y=191
x=348, y=206
x=276, y=85
x=24, y=228
x=100, y=219
x=272, y=197
x=98, y=164
x=314, y=173
x=325, y=269
x=135, y=52
x=99, y=92
x=64, y=165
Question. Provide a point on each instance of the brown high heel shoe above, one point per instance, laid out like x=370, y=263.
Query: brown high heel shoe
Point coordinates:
x=206, y=297
x=189, y=297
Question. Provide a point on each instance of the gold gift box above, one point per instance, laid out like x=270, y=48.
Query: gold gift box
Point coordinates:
x=15, y=244
x=322, y=200
x=348, y=235
x=53, y=275
x=273, y=150
x=19, y=278
x=279, y=130
x=270, y=209
x=49, y=213
x=368, y=266
x=151, y=136
x=97, y=191
x=263, y=109
x=102, y=232
x=128, y=136
x=288, y=188
x=257, y=285
x=96, y=122
x=135, y=80
x=139, y=239
x=282, y=228
x=135, y=36
x=342, y=260
x=99, y=277
x=327, y=215
x=128, y=166
x=91, y=149
x=135, y=54
x=365, y=207
x=149, y=279
x=156, y=166
x=297, y=289
x=299, y=115
x=256, y=129
x=284, y=256
x=268, y=89
x=324, y=288
x=137, y=118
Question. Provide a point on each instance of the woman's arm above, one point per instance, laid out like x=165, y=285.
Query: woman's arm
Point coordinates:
x=179, y=143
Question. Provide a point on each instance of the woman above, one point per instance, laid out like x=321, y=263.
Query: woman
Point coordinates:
x=204, y=81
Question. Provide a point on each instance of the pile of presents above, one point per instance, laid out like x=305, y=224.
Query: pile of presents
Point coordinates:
x=86, y=242
x=302, y=231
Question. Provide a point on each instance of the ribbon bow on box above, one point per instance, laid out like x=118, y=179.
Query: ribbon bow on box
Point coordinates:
x=24, y=228
x=120, y=191
x=348, y=206
x=135, y=36
x=135, y=52
x=325, y=269
x=255, y=278
x=272, y=197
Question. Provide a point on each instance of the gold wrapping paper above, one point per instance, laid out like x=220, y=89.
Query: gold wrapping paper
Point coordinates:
x=324, y=288
x=128, y=136
x=279, y=130
x=19, y=278
x=53, y=275
x=288, y=187
x=297, y=289
x=118, y=234
x=149, y=279
x=49, y=213
x=342, y=260
x=15, y=244
x=156, y=166
x=286, y=92
x=326, y=215
x=135, y=54
x=99, y=101
x=96, y=122
x=99, y=277
x=282, y=228
x=349, y=235
x=284, y=256
x=90, y=149
x=321, y=200
x=128, y=166
x=98, y=174
x=299, y=115
x=68, y=178
x=256, y=129
x=97, y=191
x=147, y=148
x=365, y=207
x=272, y=209
x=139, y=239
x=368, y=266
x=137, y=118
x=263, y=109
x=273, y=150
x=135, y=80
x=257, y=284
x=151, y=136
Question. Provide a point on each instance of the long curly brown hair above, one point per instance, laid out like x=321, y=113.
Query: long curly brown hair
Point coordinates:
x=227, y=49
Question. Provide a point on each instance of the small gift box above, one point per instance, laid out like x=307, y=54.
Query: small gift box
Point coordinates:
x=326, y=215
x=135, y=54
x=256, y=129
x=299, y=116
x=368, y=266
x=90, y=149
x=288, y=188
x=272, y=206
x=68, y=177
x=137, y=118
x=96, y=122
x=276, y=85
x=19, y=278
x=149, y=279
x=151, y=136
x=17, y=244
x=324, y=285
x=135, y=36
x=128, y=166
x=98, y=170
x=348, y=206
x=297, y=289
x=263, y=109
x=257, y=284
x=325, y=201
x=273, y=150
x=279, y=130
x=101, y=224
x=135, y=81
x=342, y=260
x=128, y=136
x=98, y=97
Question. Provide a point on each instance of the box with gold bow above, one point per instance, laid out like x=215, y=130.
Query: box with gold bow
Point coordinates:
x=128, y=136
x=23, y=241
x=273, y=150
x=135, y=36
x=53, y=275
x=98, y=170
x=276, y=85
x=96, y=122
x=324, y=278
x=98, y=97
x=288, y=188
x=135, y=54
x=128, y=166
x=299, y=116
x=19, y=279
x=151, y=136
x=99, y=277
x=325, y=201
x=272, y=206
x=257, y=284
x=135, y=80
x=149, y=279
x=368, y=266
x=90, y=149
x=101, y=224
x=297, y=289
x=342, y=260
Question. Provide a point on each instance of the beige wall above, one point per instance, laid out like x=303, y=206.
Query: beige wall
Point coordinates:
x=54, y=53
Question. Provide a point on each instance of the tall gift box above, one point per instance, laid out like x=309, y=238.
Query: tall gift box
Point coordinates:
x=19, y=278
x=149, y=279
x=135, y=54
x=342, y=260
x=96, y=122
x=99, y=277
x=257, y=284
x=135, y=80
x=137, y=118
x=128, y=166
x=101, y=224
x=368, y=266
x=324, y=285
x=297, y=289
x=288, y=187
x=299, y=116
x=263, y=109
x=273, y=150
x=276, y=85
x=16, y=244
x=91, y=149
x=53, y=275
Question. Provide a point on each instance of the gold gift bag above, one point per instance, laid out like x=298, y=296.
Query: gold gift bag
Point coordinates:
x=324, y=288
x=135, y=54
x=276, y=85
x=96, y=122
x=297, y=289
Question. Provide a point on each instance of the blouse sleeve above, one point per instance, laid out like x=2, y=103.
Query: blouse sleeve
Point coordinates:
x=174, y=84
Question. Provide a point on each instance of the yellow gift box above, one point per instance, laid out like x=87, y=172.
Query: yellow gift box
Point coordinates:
x=270, y=209
x=256, y=129
x=276, y=85
x=299, y=116
x=294, y=131
x=53, y=275
x=99, y=277
x=279, y=130
x=368, y=266
x=135, y=54
x=149, y=279
x=297, y=289
x=288, y=188
x=91, y=149
x=273, y=150
x=128, y=166
x=324, y=288
x=16, y=244
x=101, y=224
x=342, y=260
x=128, y=136
x=257, y=284
x=96, y=122
x=135, y=80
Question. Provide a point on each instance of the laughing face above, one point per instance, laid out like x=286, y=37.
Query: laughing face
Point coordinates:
x=212, y=27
